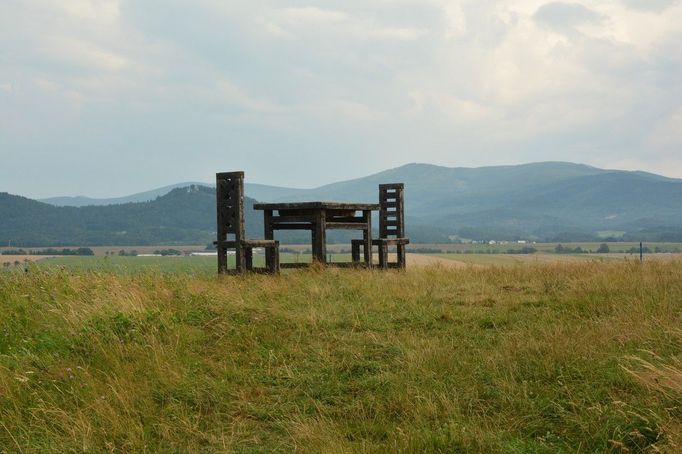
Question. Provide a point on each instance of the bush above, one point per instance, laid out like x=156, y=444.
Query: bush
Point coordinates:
x=603, y=249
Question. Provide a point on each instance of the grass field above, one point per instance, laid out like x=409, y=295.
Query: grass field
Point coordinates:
x=207, y=265
x=173, y=264
x=522, y=259
x=574, y=357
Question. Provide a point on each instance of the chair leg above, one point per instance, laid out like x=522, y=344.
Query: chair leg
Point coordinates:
x=222, y=260
x=355, y=250
x=401, y=257
x=273, y=264
x=383, y=256
x=241, y=260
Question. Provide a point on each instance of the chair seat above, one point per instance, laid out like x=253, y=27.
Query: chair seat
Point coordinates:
x=386, y=241
x=390, y=241
x=248, y=243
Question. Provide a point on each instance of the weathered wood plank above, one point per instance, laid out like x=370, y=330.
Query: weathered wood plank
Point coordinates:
x=308, y=218
x=347, y=206
x=346, y=225
x=292, y=226
x=390, y=241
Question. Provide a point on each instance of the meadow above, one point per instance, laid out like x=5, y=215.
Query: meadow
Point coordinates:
x=207, y=265
x=562, y=358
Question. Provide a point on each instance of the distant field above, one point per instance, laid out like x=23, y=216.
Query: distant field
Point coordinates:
x=163, y=264
x=182, y=264
x=543, y=258
x=458, y=255
x=13, y=259
x=517, y=259
x=619, y=247
x=114, y=250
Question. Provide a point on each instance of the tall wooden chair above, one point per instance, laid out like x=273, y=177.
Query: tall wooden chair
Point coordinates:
x=391, y=227
x=230, y=210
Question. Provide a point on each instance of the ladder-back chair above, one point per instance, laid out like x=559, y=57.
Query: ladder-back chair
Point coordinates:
x=391, y=227
x=230, y=214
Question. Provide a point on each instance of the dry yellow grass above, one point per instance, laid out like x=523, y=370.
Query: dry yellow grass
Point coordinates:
x=13, y=259
x=525, y=359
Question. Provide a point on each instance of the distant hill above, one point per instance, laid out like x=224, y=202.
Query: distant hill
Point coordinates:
x=543, y=201
x=254, y=190
x=80, y=201
x=552, y=201
x=183, y=216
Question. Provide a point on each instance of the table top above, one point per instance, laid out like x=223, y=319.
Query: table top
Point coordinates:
x=316, y=206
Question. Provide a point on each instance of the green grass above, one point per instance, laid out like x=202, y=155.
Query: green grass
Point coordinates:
x=136, y=264
x=169, y=264
x=580, y=357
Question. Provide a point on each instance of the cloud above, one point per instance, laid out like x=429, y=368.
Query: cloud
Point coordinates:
x=313, y=15
x=651, y=5
x=123, y=95
x=565, y=17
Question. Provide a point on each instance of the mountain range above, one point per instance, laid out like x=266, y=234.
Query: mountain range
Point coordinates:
x=552, y=201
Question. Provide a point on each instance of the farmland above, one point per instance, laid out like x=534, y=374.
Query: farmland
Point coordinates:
x=207, y=264
x=542, y=358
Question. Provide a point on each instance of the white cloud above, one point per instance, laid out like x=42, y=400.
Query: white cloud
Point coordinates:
x=455, y=82
x=313, y=15
x=566, y=17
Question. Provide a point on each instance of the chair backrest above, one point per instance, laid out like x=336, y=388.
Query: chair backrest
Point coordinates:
x=230, y=204
x=391, y=217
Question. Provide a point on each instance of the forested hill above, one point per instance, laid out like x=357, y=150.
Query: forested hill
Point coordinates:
x=183, y=216
x=542, y=201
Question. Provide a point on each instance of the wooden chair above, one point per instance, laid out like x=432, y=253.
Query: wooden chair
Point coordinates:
x=230, y=210
x=391, y=227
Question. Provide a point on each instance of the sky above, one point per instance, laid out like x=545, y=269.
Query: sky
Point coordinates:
x=109, y=97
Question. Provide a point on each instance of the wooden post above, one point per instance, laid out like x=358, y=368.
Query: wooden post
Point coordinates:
x=641, y=251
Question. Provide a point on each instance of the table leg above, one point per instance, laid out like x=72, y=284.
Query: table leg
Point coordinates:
x=367, y=237
x=248, y=258
x=268, y=234
x=320, y=238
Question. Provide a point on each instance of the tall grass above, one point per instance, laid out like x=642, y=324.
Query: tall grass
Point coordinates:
x=527, y=359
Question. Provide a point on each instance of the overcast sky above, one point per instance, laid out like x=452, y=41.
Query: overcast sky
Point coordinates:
x=110, y=97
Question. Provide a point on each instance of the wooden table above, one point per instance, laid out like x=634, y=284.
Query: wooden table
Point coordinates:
x=318, y=217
